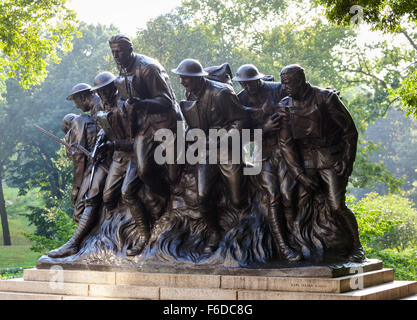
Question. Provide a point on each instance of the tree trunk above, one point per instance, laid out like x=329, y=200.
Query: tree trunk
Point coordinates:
x=3, y=214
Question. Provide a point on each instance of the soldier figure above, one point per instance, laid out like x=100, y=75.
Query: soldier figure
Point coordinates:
x=260, y=98
x=215, y=106
x=118, y=123
x=145, y=87
x=86, y=194
x=326, y=137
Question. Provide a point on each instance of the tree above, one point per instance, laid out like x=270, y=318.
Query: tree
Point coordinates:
x=397, y=135
x=390, y=16
x=31, y=34
x=32, y=158
x=385, y=15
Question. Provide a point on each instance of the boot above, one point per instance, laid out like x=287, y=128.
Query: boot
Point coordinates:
x=275, y=225
x=357, y=254
x=215, y=231
x=142, y=226
x=84, y=227
x=290, y=224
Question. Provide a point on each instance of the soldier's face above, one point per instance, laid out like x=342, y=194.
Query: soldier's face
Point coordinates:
x=293, y=85
x=107, y=93
x=191, y=84
x=121, y=54
x=81, y=102
x=252, y=87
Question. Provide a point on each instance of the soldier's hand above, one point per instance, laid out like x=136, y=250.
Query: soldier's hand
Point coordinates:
x=104, y=148
x=135, y=102
x=273, y=123
x=74, y=195
x=308, y=183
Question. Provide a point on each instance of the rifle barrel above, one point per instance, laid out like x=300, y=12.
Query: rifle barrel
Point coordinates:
x=77, y=146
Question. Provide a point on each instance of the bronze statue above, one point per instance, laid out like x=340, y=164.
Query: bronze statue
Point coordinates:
x=207, y=211
x=145, y=87
x=83, y=130
x=215, y=106
x=86, y=196
x=260, y=97
x=122, y=180
x=326, y=137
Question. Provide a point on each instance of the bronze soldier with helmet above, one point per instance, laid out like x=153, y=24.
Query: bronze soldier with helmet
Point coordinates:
x=277, y=178
x=88, y=179
x=215, y=106
x=122, y=179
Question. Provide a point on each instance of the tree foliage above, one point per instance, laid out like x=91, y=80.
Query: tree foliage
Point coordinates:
x=31, y=155
x=387, y=229
x=390, y=16
x=31, y=34
x=396, y=136
x=386, y=15
x=408, y=95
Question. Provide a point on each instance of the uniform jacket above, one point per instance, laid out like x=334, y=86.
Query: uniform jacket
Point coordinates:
x=83, y=131
x=278, y=142
x=322, y=127
x=217, y=107
x=149, y=81
x=269, y=93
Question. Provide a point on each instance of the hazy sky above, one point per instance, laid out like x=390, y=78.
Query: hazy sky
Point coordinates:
x=127, y=15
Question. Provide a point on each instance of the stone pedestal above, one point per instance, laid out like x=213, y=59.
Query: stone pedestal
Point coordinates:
x=372, y=282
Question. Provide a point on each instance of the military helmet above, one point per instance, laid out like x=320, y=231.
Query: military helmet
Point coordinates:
x=190, y=68
x=247, y=72
x=79, y=87
x=103, y=79
x=66, y=122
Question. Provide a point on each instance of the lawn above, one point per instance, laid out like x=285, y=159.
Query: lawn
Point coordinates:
x=17, y=256
x=19, y=253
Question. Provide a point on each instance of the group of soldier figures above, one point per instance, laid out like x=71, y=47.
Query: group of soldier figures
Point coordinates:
x=308, y=145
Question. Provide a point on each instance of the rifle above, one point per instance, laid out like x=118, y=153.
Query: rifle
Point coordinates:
x=94, y=155
x=70, y=146
x=127, y=84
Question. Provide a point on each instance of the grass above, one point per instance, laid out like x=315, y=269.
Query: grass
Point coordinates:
x=19, y=253
x=17, y=256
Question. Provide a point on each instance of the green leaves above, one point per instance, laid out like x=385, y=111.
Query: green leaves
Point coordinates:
x=407, y=92
x=31, y=34
x=386, y=15
x=386, y=221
